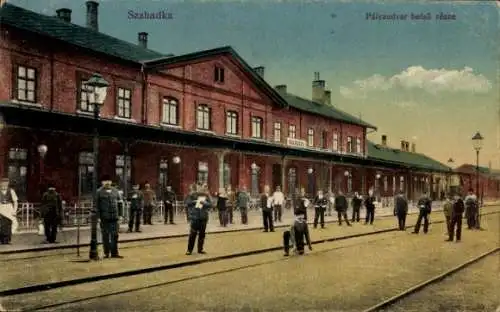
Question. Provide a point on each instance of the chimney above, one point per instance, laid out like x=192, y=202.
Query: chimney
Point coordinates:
x=260, y=71
x=403, y=146
x=64, y=14
x=328, y=97
x=318, y=89
x=384, y=140
x=92, y=15
x=281, y=89
x=142, y=39
x=413, y=148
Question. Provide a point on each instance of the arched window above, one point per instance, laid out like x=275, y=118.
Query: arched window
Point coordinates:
x=203, y=117
x=170, y=111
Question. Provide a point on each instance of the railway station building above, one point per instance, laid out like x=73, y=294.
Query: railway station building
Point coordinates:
x=206, y=116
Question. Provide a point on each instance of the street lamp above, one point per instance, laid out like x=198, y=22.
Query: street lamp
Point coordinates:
x=450, y=164
x=254, y=166
x=176, y=160
x=42, y=150
x=95, y=88
x=347, y=174
x=310, y=170
x=477, y=143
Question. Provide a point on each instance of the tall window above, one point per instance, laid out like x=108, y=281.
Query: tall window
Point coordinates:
x=335, y=145
x=350, y=147
x=292, y=181
x=277, y=131
x=203, y=120
x=324, y=140
x=255, y=181
x=292, y=131
x=402, y=184
x=85, y=173
x=18, y=170
x=26, y=84
x=393, y=184
x=124, y=103
x=227, y=174
x=257, y=127
x=163, y=175
x=202, y=176
x=358, y=145
x=310, y=137
x=170, y=111
x=386, y=183
x=122, y=176
x=231, y=122
x=83, y=103
x=218, y=74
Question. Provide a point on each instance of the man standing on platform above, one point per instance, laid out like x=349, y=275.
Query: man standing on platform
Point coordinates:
x=303, y=203
x=356, y=207
x=108, y=212
x=401, y=210
x=424, y=205
x=198, y=204
x=278, y=203
x=169, y=202
x=472, y=210
x=456, y=219
x=341, y=207
x=51, y=213
x=231, y=201
x=320, y=204
x=448, y=211
x=242, y=202
x=370, y=207
x=149, y=202
x=266, y=205
x=136, y=200
x=8, y=212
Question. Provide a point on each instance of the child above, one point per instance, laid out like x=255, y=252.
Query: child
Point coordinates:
x=298, y=232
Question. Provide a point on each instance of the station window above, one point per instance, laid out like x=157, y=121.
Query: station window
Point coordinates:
x=124, y=103
x=232, y=122
x=292, y=131
x=203, y=117
x=170, y=111
x=277, y=132
x=310, y=137
x=26, y=84
x=257, y=127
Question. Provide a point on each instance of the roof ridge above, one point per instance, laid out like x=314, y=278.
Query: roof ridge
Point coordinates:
x=68, y=26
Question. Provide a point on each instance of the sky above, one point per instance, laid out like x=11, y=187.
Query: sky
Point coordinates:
x=431, y=82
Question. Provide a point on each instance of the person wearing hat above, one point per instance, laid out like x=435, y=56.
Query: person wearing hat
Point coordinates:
x=169, y=200
x=198, y=204
x=51, y=212
x=401, y=210
x=136, y=200
x=298, y=233
x=107, y=210
x=8, y=211
x=455, y=224
x=320, y=203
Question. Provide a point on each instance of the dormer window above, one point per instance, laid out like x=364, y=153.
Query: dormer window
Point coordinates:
x=219, y=74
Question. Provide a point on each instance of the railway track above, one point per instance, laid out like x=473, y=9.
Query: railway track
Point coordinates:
x=134, y=272
x=384, y=305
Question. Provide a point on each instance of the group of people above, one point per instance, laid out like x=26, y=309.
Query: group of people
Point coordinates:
x=453, y=209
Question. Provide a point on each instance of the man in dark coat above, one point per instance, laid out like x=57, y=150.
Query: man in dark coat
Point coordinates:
x=320, y=204
x=401, y=210
x=370, y=207
x=108, y=212
x=136, y=200
x=222, y=207
x=356, y=206
x=456, y=219
x=298, y=233
x=198, y=204
x=242, y=203
x=266, y=205
x=51, y=212
x=424, y=205
x=169, y=201
x=341, y=207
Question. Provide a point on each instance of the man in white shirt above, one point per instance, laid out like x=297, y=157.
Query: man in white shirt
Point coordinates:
x=278, y=203
x=8, y=208
x=472, y=210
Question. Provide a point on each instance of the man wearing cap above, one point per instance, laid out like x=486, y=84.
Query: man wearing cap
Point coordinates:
x=169, y=200
x=198, y=204
x=401, y=210
x=136, y=205
x=108, y=212
x=149, y=202
x=51, y=212
x=298, y=233
x=8, y=210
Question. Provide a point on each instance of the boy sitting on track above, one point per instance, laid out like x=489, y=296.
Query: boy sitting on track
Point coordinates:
x=296, y=235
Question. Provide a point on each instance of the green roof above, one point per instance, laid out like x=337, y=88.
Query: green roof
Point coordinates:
x=414, y=160
x=323, y=110
x=80, y=36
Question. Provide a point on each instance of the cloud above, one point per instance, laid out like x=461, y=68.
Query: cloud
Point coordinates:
x=417, y=77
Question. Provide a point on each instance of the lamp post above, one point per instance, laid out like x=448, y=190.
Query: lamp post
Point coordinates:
x=377, y=184
x=477, y=143
x=310, y=171
x=42, y=151
x=96, y=88
x=347, y=174
x=450, y=164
